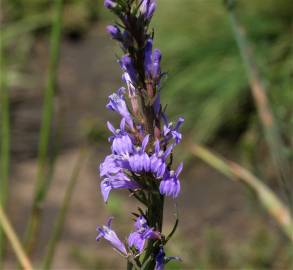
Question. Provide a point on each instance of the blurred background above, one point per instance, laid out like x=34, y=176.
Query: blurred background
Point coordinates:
x=222, y=223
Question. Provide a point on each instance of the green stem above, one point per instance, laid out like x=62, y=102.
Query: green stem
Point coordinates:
x=57, y=230
x=155, y=219
x=5, y=139
x=42, y=185
x=13, y=239
x=129, y=265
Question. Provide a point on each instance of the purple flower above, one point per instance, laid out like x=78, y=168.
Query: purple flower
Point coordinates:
x=121, y=141
x=107, y=233
x=140, y=161
x=170, y=185
x=169, y=132
x=175, y=133
x=152, y=61
x=111, y=165
x=115, y=32
x=110, y=4
x=157, y=160
x=148, y=8
x=127, y=65
x=141, y=223
x=117, y=181
x=160, y=265
x=141, y=234
x=148, y=51
x=136, y=240
x=162, y=260
x=117, y=103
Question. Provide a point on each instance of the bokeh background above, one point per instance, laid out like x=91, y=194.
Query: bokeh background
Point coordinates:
x=222, y=224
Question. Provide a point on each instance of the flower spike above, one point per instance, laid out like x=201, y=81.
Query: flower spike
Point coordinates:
x=142, y=147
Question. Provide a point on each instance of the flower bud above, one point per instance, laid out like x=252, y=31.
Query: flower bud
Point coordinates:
x=110, y=4
x=148, y=50
x=148, y=8
x=156, y=64
x=114, y=31
x=151, y=10
x=127, y=65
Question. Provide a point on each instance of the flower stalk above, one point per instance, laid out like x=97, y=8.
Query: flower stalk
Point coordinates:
x=142, y=148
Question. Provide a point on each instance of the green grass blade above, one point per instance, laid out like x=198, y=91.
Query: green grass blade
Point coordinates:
x=13, y=239
x=41, y=185
x=262, y=103
x=267, y=197
x=5, y=139
x=58, y=226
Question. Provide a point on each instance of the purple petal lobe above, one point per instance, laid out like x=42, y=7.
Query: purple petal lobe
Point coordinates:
x=170, y=185
x=117, y=103
x=118, y=181
x=145, y=142
x=107, y=233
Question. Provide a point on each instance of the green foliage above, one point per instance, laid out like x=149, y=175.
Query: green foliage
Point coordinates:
x=207, y=79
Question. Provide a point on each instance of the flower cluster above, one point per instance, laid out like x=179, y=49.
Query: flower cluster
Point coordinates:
x=142, y=147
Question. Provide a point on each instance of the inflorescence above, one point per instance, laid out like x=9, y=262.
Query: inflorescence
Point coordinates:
x=142, y=146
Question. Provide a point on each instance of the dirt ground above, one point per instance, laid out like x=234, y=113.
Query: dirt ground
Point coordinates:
x=88, y=74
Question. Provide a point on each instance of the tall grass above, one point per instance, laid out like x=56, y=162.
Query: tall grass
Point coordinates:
x=42, y=184
x=60, y=219
x=13, y=239
x=206, y=75
x=4, y=137
x=262, y=103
